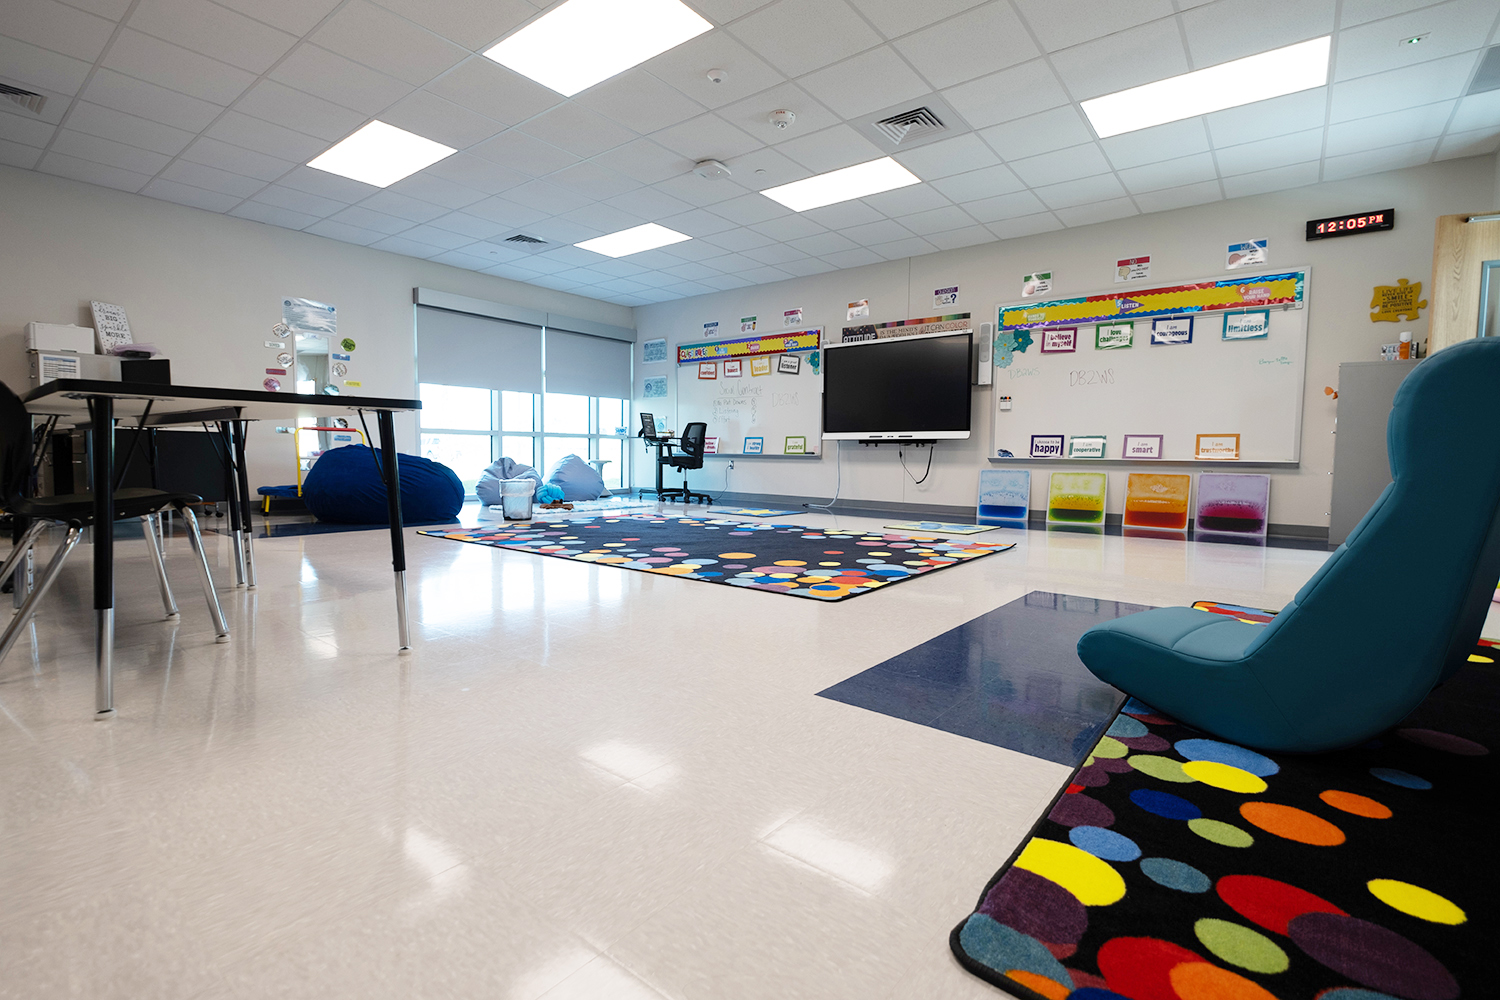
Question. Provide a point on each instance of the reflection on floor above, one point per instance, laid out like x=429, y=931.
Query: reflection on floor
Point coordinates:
x=1010, y=678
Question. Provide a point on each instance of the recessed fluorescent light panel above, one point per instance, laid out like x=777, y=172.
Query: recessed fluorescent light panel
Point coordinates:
x=1227, y=85
x=629, y=241
x=862, y=179
x=585, y=41
x=381, y=154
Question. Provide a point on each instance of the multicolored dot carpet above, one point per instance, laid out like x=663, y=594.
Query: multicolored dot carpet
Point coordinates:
x=1179, y=867
x=823, y=565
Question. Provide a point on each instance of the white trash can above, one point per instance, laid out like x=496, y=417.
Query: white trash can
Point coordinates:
x=515, y=498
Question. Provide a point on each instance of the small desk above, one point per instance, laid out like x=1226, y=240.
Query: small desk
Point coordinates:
x=99, y=404
x=659, y=443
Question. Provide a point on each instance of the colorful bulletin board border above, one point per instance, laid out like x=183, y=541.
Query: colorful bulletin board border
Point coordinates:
x=1286, y=289
x=749, y=347
x=907, y=328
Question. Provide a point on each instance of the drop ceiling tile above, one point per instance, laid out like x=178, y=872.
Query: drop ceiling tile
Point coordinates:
x=788, y=228
x=1200, y=193
x=236, y=159
x=1479, y=111
x=402, y=206
x=697, y=191
x=690, y=271
x=186, y=194
x=505, y=213
x=622, y=286
x=1005, y=206
x=330, y=76
x=901, y=249
x=436, y=190
x=639, y=101
x=1266, y=119
x=1084, y=191
x=1028, y=225
x=171, y=66
x=1392, y=128
x=774, y=253
x=753, y=114
x=474, y=24
x=956, y=239
x=1479, y=142
x=1102, y=211
x=602, y=218
x=871, y=233
x=645, y=161
x=213, y=31
x=382, y=40
x=751, y=208
x=583, y=275
x=14, y=154
x=844, y=215
x=864, y=83
x=51, y=25
x=979, y=41
x=733, y=263
x=766, y=168
x=146, y=100
x=686, y=68
x=212, y=179
x=649, y=203
x=895, y=18
x=476, y=173
x=831, y=149
x=1274, y=179
x=1151, y=145
x=108, y=152
x=739, y=240
x=326, y=185
x=1007, y=95
x=92, y=173
x=1125, y=59
x=498, y=253
x=1063, y=23
x=688, y=288
x=764, y=275
x=725, y=282
x=1279, y=151
x=694, y=250
x=547, y=197
x=112, y=9
x=844, y=259
x=110, y=124
x=938, y=220
x=513, y=272
x=564, y=258
x=706, y=137
x=519, y=151
x=1060, y=128
x=697, y=222
x=1359, y=11
x=379, y=222
x=806, y=267
x=948, y=157
x=594, y=181
x=272, y=216
x=1084, y=160
x=1219, y=32
x=1170, y=173
x=1374, y=161
x=30, y=131
x=281, y=105
x=799, y=36
x=485, y=86
x=261, y=135
x=577, y=129
x=624, y=267
x=1451, y=28
x=908, y=201
x=458, y=258
x=442, y=121
x=38, y=69
x=1428, y=83
x=295, y=16
x=299, y=201
x=406, y=248
x=434, y=236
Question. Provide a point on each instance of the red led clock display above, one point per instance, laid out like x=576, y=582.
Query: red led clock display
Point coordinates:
x=1348, y=225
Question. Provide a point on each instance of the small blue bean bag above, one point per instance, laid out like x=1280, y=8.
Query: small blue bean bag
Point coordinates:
x=344, y=486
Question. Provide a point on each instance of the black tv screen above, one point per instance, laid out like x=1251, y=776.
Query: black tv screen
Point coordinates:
x=916, y=388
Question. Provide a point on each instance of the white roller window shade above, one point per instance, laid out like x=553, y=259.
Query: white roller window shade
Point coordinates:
x=462, y=349
x=581, y=365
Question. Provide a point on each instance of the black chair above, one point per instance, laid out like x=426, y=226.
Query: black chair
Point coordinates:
x=690, y=457
x=76, y=511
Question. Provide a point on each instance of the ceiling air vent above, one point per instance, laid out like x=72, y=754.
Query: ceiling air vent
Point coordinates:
x=913, y=124
x=523, y=238
x=1488, y=77
x=27, y=99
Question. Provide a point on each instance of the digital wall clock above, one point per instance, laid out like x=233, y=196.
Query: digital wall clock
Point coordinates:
x=1349, y=225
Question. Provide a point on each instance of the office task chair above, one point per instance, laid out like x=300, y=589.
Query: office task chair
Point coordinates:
x=1336, y=667
x=76, y=511
x=690, y=457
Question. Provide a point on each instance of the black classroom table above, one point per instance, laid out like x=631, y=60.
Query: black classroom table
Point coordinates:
x=99, y=404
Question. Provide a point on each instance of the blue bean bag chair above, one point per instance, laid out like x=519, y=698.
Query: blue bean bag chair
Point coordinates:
x=1394, y=611
x=344, y=486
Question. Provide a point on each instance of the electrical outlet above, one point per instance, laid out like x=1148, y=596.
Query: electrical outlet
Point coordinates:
x=731, y=465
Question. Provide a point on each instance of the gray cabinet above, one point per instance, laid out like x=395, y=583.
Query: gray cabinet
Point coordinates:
x=1361, y=468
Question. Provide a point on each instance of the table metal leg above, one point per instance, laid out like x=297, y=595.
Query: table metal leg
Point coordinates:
x=103, y=437
x=247, y=521
x=231, y=493
x=392, y=472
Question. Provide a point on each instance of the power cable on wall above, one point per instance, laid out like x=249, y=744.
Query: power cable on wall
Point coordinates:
x=901, y=454
x=838, y=483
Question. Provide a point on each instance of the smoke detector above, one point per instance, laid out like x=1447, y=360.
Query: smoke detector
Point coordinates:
x=710, y=169
x=782, y=118
x=717, y=76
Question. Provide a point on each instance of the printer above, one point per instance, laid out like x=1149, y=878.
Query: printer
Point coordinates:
x=58, y=350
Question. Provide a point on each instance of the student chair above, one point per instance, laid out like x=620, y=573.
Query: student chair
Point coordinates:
x=76, y=512
x=690, y=457
x=1395, y=611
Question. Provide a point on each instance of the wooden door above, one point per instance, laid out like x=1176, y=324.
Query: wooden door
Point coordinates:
x=1459, y=250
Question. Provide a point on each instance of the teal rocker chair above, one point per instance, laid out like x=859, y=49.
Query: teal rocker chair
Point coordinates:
x=1394, y=611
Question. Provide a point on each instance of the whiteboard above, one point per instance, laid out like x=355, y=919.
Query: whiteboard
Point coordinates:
x=1253, y=388
x=772, y=407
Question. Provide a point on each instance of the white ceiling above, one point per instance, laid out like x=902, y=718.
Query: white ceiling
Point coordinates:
x=219, y=104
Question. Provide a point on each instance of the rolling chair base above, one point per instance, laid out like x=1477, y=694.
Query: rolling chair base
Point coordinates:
x=686, y=496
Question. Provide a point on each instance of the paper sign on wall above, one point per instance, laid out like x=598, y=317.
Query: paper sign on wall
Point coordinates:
x=747, y=324
x=792, y=317
x=1217, y=447
x=1177, y=330
x=1142, y=446
x=795, y=446
x=1245, y=254
x=1113, y=336
x=1247, y=325
x=1133, y=269
x=1087, y=446
x=755, y=445
x=760, y=366
x=1039, y=283
x=1060, y=341
x=734, y=369
x=307, y=316
x=708, y=370
x=858, y=309
x=654, y=351
x=789, y=364
x=710, y=446
x=711, y=329
x=944, y=297
x=1046, y=446
x=656, y=387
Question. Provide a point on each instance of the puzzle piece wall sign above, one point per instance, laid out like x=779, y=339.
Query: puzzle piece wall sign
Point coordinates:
x=1393, y=302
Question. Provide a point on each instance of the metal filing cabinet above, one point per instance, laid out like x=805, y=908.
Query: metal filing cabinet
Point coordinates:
x=1361, y=467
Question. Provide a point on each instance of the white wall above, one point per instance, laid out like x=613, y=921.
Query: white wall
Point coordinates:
x=207, y=289
x=1184, y=244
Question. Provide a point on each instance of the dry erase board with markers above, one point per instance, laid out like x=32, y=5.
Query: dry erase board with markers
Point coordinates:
x=1216, y=356
x=759, y=396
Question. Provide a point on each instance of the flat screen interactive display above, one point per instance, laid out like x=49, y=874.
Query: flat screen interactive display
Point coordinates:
x=915, y=388
x=1349, y=225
